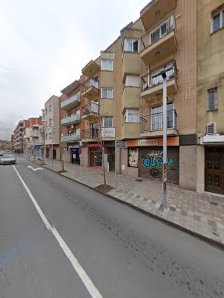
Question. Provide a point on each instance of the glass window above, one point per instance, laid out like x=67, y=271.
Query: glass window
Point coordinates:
x=107, y=93
x=216, y=22
x=132, y=115
x=133, y=157
x=223, y=18
x=107, y=64
x=157, y=117
x=131, y=45
x=212, y=99
x=108, y=122
x=132, y=81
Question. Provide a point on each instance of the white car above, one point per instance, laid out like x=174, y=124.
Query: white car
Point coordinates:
x=7, y=159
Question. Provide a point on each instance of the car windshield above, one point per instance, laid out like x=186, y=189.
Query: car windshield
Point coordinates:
x=8, y=156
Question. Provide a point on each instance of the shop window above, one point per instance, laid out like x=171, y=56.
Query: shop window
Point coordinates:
x=133, y=157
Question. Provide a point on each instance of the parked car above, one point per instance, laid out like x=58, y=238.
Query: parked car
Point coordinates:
x=7, y=159
x=1, y=152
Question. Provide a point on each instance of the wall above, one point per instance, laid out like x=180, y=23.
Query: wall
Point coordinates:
x=188, y=167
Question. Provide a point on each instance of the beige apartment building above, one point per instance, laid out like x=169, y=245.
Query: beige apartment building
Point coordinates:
x=33, y=137
x=70, y=122
x=210, y=96
x=51, y=128
x=19, y=137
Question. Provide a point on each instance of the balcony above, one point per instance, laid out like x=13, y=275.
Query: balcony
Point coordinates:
x=131, y=98
x=70, y=119
x=91, y=89
x=152, y=125
x=162, y=43
x=90, y=134
x=131, y=64
x=70, y=138
x=152, y=83
x=91, y=69
x=155, y=11
x=71, y=102
x=130, y=130
x=91, y=111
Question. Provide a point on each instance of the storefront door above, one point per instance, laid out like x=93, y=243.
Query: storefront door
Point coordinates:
x=75, y=155
x=151, y=163
x=214, y=170
x=95, y=157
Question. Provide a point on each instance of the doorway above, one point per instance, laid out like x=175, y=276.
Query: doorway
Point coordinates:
x=95, y=157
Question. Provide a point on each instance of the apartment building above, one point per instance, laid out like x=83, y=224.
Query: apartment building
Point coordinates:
x=51, y=128
x=33, y=136
x=19, y=137
x=13, y=142
x=210, y=97
x=69, y=103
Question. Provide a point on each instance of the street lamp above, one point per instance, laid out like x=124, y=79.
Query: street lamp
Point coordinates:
x=164, y=187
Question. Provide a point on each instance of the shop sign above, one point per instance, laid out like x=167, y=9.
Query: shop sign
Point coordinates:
x=94, y=145
x=120, y=144
x=108, y=132
x=152, y=142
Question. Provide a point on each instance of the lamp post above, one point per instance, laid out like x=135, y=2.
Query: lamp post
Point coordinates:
x=164, y=187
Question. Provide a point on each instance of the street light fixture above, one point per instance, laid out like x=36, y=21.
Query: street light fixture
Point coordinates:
x=164, y=187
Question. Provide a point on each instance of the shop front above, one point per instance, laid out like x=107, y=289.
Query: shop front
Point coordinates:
x=95, y=155
x=75, y=155
x=147, y=156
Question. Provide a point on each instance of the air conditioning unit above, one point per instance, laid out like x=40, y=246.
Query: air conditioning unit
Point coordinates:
x=211, y=128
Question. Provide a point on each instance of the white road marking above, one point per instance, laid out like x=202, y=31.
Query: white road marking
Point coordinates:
x=93, y=291
x=37, y=169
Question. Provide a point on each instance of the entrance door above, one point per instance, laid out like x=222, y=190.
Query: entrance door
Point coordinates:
x=95, y=157
x=54, y=154
x=75, y=156
x=214, y=170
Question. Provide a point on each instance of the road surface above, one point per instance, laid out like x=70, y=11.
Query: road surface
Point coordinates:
x=60, y=239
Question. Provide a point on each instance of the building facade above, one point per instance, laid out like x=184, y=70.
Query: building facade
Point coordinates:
x=210, y=96
x=51, y=128
x=33, y=137
x=19, y=137
x=70, y=122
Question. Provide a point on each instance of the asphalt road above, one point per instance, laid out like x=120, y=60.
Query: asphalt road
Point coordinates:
x=123, y=252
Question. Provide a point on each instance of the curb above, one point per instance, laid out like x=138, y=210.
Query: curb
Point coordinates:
x=167, y=222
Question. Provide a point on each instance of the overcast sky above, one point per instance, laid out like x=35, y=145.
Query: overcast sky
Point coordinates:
x=46, y=43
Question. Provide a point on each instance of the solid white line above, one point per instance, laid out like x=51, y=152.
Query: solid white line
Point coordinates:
x=93, y=291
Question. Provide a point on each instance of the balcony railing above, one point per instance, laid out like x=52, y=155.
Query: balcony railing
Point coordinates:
x=71, y=100
x=154, y=78
x=91, y=108
x=91, y=83
x=91, y=133
x=70, y=138
x=154, y=122
x=70, y=119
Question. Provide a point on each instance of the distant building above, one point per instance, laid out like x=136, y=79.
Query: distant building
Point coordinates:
x=33, y=140
x=19, y=137
x=51, y=128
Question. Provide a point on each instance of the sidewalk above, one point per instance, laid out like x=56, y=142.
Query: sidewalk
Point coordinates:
x=200, y=214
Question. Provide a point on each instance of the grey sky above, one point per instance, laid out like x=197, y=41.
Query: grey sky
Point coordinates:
x=45, y=44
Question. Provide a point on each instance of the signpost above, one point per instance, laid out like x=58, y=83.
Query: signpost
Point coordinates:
x=118, y=145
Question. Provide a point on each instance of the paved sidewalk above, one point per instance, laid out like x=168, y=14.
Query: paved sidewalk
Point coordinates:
x=201, y=214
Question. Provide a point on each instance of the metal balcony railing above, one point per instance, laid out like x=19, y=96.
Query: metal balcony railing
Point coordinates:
x=91, y=108
x=73, y=99
x=154, y=77
x=70, y=119
x=162, y=30
x=154, y=122
x=91, y=83
x=92, y=133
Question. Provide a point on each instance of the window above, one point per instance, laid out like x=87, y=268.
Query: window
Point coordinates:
x=131, y=45
x=157, y=117
x=217, y=20
x=212, y=99
x=50, y=122
x=132, y=115
x=107, y=64
x=162, y=30
x=107, y=93
x=107, y=122
x=133, y=157
x=77, y=131
x=132, y=81
x=50, y=108
x=50, y=136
